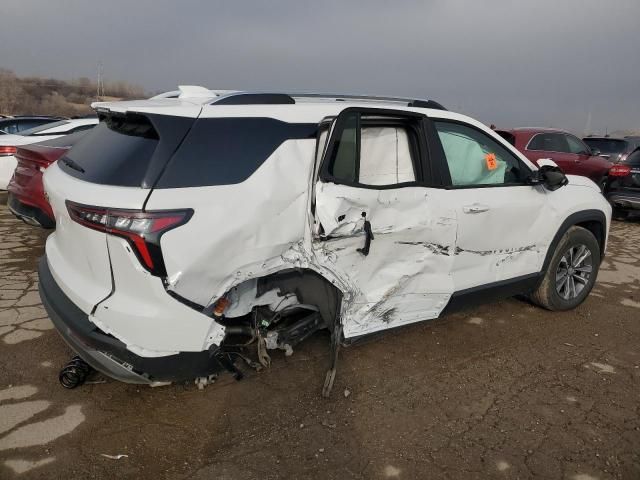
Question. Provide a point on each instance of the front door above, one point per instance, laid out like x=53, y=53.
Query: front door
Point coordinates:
x=502, y=220
x=385, y=236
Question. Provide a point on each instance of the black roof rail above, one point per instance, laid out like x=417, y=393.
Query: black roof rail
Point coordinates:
x=426, y=104
x=257, y=98
x=341, y=98
x=248, y=98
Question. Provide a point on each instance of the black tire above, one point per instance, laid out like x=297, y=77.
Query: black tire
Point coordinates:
x=620, y=214
x=561, y=273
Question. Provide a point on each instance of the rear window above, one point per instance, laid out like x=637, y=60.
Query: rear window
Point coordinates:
x=607, y=145
x=223, y=151
x=116, y=152
x=42, y=128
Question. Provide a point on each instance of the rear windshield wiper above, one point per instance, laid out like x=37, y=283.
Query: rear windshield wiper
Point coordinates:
x=71, y=164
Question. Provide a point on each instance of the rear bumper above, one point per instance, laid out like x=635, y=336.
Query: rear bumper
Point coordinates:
x=108, y=354
x=29, y=214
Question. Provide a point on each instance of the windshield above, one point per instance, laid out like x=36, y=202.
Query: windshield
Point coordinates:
x=42, y=128
x=607, y=145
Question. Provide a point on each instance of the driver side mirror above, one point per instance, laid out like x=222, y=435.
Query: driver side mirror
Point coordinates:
x=551, y=177
x=595, y=152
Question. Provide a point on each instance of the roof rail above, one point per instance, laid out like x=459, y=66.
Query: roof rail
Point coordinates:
x=410, y=102
x=252, y=98
x=267, y=98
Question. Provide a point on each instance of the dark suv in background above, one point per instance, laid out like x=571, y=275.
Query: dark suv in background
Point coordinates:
x=570, y=153
x=615, y=149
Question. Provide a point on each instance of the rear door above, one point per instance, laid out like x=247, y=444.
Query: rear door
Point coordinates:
x=385, y=235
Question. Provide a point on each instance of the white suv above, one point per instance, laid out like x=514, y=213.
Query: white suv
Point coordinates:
x=195, y=231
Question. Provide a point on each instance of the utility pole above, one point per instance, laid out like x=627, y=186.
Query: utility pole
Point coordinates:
x=100, y=92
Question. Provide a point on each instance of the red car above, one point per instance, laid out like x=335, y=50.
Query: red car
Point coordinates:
x=26, y=192
x=570, y=153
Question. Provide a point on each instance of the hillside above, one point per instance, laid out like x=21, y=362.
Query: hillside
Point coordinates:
x=48, y=96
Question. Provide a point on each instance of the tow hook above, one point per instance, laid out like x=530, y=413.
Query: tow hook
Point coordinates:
x=74, y=373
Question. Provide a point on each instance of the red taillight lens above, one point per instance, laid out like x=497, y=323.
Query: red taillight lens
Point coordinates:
x=142, y=229
x=5, y=150
x=619, y=170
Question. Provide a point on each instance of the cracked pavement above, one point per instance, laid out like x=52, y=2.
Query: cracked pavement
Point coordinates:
x=503, y=391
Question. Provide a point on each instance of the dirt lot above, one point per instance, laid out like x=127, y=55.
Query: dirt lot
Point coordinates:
x=504, y=391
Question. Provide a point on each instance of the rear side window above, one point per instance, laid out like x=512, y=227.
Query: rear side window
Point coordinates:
x=223, y=151
x=374, y=150
x=549, y=142
x=116, y=152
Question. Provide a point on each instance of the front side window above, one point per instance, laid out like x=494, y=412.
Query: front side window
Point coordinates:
x=549, y=142
x=576, y=146
x=374, y=151
x=476, y=159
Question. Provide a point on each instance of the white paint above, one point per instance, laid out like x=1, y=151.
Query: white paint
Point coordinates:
x=572, y=399
x=627, y=302
x=13, y=414
x=38, y=324
x=475, y=321
x=23, y=466
x=17, y=393
x=41, y=433
x=46, y=364
x=20, y=335
x=584, y=476
x=502, y=466
x=391, y=472
x=603, y=367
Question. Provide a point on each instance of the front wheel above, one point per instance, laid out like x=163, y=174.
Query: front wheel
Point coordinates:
x=571, y=273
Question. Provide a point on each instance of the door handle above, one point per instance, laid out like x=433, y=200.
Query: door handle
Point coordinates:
x=475, y=208
x=368, y=236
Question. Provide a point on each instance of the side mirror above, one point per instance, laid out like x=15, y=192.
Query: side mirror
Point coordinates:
x=595, y=152
x=551, y=177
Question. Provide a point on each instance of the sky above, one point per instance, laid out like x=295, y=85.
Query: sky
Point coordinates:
x=571, y=64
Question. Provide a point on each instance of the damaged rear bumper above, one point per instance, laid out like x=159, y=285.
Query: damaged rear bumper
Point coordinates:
x=108, y=354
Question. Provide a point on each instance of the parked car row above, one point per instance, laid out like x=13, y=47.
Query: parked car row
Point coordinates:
x=611, y=162
x=18, y=124
x=9, y=143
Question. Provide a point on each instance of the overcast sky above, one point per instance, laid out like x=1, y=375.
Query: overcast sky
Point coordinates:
x=512, y=63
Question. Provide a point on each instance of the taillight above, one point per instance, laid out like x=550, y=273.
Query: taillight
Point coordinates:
x=5, y=150
x=141, y=229
x=619, y=170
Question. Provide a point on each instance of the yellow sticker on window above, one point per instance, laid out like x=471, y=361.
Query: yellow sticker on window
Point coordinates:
x=492, y=162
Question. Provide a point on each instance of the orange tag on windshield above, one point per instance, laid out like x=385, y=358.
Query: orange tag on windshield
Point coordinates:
x=492, y=163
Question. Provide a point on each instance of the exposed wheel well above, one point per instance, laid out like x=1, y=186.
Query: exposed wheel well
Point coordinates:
x=597, y=228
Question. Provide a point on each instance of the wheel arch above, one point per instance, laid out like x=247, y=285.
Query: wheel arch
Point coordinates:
x=593, y=220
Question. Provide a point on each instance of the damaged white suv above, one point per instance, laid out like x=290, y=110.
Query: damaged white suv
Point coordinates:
x=192, y=232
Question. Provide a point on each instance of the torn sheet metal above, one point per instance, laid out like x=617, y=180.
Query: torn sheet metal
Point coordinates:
x=253, y=229
x=406, y=275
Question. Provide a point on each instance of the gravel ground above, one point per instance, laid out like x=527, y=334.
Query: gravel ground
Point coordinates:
x=502, y=391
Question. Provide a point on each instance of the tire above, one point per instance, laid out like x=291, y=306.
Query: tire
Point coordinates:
x=567, y=270
x=620, y=214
